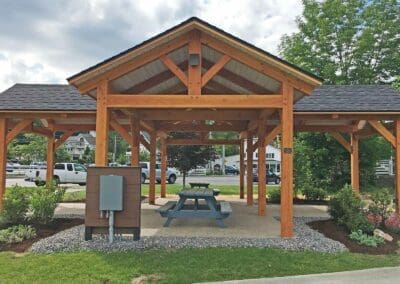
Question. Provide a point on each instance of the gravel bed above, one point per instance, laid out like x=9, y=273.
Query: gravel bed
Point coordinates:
x=72, y=240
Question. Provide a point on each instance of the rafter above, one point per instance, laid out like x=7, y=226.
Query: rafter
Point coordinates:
x=214, y=69
x=174, y=69
x=171, y=141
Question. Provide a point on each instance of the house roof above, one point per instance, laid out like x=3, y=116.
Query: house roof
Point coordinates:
x=350, y=98
x=88, y=137
x=45, y=97
x=326, y=98
x=170, y=34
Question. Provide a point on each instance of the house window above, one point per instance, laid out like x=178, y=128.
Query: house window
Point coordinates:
x=270, y=156
x=278, y=168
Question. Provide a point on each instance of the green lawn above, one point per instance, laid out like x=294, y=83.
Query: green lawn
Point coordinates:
x=171, y=189
x=177, y=266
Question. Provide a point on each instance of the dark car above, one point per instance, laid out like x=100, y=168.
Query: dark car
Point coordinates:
x=231, y=170
x=270, y=176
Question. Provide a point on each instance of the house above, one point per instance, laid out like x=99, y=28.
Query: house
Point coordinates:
x=76, y=145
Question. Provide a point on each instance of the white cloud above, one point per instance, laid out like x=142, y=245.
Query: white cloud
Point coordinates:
x=48, y=43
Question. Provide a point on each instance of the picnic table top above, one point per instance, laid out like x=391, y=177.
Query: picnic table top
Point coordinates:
x=199, y=184
x=200, y=192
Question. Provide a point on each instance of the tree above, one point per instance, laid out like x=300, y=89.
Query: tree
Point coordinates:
x=188, y=157
x=344, y=42
x=62, y=155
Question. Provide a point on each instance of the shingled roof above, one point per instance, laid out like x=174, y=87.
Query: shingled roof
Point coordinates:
x=326, y=98
x=350, y=98
x=45, y=97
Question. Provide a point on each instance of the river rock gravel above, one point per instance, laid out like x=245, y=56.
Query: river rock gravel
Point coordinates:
x=72, y=240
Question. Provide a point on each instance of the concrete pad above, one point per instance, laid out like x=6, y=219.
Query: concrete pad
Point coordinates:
x=388, y=275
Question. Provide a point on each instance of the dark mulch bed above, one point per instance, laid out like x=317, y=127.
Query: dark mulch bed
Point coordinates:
x=299, y=201
x=42, y=231
x=84, y=200
x=329, y=229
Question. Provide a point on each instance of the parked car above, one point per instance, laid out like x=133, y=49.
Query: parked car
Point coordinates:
x=171, y=173
x=63, y=173
x=30, y=173
x=270, y=177
x=198, y=171
x=231, y=170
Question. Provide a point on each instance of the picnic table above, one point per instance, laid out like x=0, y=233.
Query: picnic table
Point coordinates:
x=210, y=210
x=199, y=184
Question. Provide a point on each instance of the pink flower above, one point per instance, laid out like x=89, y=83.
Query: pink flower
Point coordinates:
x=374, y=219
x=393, y=221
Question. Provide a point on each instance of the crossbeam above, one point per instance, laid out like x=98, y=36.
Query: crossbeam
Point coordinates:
x=202, y=142
x=382, y=130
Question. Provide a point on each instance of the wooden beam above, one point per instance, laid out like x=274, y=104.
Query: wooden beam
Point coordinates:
x=135, y=142
x=172, y=141
x=166, y=101
x=189, y=126
x=325, y=128
x=17, y=129
x=121, y=131
x=215, y=69
x=131, y=65
x=354, y=164
x=174, y=69
x=40, y=131
x=249, y=169
x=3, y=159
x=152, y=170
x=74, y=127
x=261, y=167
x=339, y=138
x=63, y=138
x=102, y=124
x=397, y=168
x=271, y=135
x=382, y=130
x=50, y=161
x=287, y=162
x=144, y=142
x=163, y=167
x=241, y=169
x=194, y=72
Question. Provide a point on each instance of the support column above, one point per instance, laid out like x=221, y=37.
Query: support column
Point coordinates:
x=354, y=163
x=241, y=169
x=287, y=162
x=3, y=159
x=135, y=143
x=50, y=160
x=261, y=170
x=397, y=168
x=163, y=167
x=194, y=71
x=249, y=168
x=102, y=121
x=152, y=173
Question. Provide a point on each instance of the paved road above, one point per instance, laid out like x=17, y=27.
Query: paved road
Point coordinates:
x=217, y=180
x=389, y=275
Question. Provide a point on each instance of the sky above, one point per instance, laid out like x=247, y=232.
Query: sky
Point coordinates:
x=47, y=41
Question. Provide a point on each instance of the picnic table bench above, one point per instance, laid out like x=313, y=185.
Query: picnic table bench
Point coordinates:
x=210, y=210
x=199, y=184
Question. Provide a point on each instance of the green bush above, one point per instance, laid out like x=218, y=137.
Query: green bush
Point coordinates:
x=346, y=209
x=274, y=195
x=17, y=234
x=381, y=205
x=16, y=204
x=366, y=240
x=313, y=193
x=44, y=202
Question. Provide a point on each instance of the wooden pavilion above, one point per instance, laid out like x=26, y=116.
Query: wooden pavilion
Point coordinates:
x=195, y=77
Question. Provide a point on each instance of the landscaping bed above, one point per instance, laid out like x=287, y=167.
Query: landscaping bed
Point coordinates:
x=338, y=233
x=42, y=231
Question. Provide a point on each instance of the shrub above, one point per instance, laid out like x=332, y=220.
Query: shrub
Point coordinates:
x=393, y=223
x=366, y=240
x=313, y=193
x=17, y=234
x=274, y=195
x=380, y=206
x=346, y=209
x=16, y=205
x=44, y=202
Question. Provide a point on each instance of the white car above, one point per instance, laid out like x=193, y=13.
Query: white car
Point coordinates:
x=63, y=173
x=171, y=173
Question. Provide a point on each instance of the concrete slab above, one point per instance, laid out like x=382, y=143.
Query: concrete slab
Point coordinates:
x=388, y=275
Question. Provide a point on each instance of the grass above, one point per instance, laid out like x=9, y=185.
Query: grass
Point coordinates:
x=178, y=266
x=79, y=196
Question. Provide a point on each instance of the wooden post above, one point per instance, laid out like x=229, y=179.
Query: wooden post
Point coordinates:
x=102, y=121
x=163, y=167
x=287, y=162
x=50, y=160
x=397, y=168
x=241, y=169
x=135, y=143
x=355, y=172
x=249, y=168
x=152, y=173
x=3, y=159
x=194, y=72
x=261, y=169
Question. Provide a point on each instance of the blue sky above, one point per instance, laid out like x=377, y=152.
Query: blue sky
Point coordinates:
x=46, y=41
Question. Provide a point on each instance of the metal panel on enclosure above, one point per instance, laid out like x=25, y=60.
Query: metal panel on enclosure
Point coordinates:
x=111, y=189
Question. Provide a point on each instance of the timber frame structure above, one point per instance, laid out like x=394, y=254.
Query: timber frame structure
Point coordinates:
x=194, y=78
